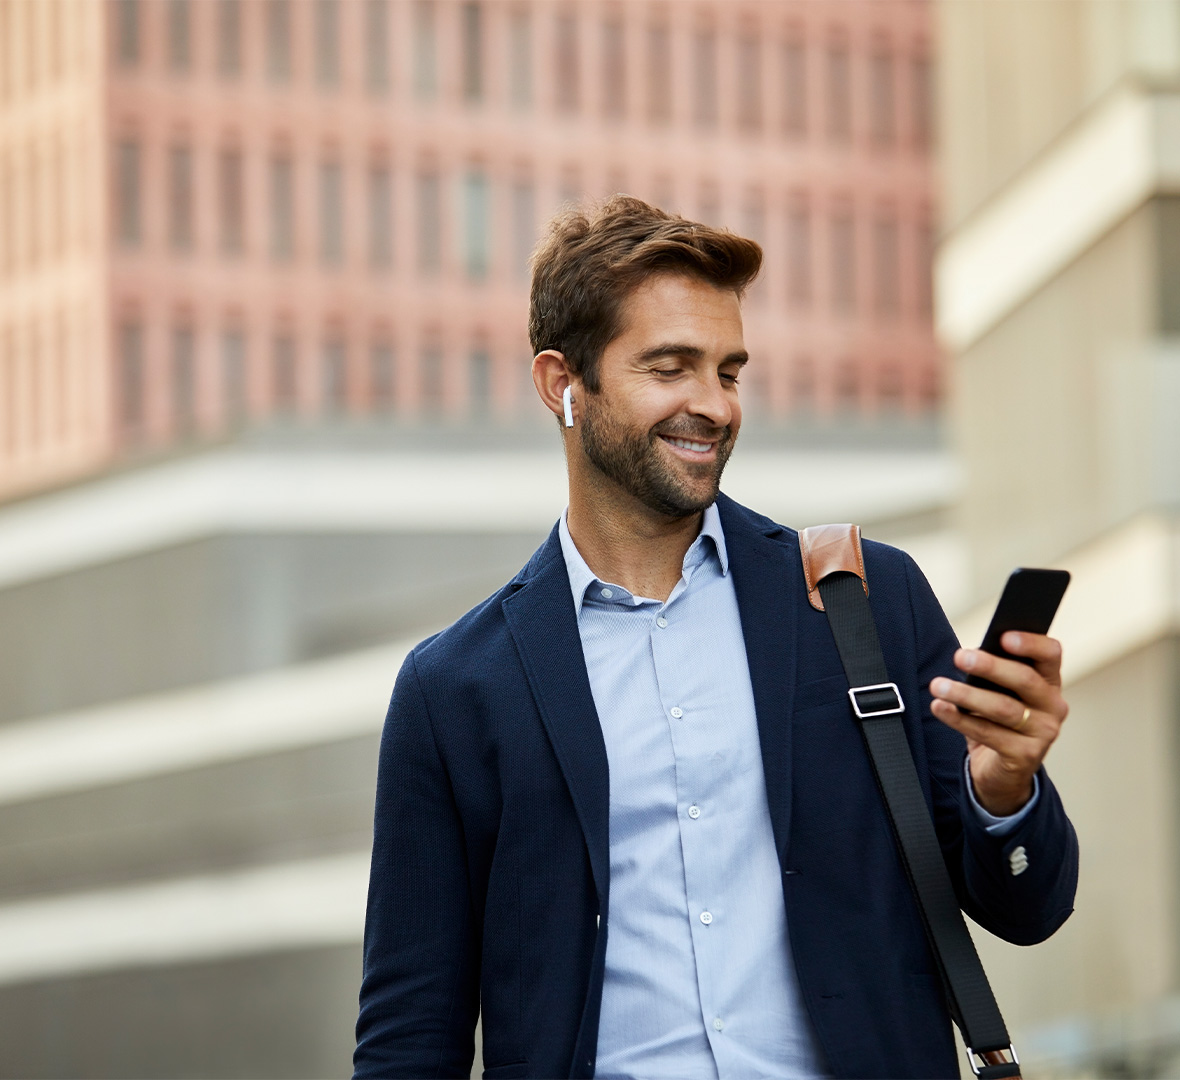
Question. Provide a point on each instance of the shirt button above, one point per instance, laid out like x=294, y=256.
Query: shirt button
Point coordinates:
x=677, y=711
x=661, y=622
x=706, y=917
x=607, y=593
x=718, y=1023
x=694, y=812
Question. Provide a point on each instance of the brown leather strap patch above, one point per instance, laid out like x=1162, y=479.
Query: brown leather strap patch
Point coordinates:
x=826, y=549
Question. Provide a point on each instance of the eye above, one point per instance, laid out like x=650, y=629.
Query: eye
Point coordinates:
x=729, y=378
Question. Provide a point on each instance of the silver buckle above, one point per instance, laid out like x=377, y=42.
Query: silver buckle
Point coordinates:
x=975, y=1068
x=899, y=708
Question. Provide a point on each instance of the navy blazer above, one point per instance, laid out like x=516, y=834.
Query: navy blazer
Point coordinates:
x=490, y=885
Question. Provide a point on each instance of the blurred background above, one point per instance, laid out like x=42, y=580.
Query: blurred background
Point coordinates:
x=266, y=421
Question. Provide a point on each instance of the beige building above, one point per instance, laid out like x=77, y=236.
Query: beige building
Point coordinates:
x=1059, y=296
x=223, y=213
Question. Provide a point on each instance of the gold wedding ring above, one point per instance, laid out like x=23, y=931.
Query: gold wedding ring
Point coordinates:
x=1023, y=719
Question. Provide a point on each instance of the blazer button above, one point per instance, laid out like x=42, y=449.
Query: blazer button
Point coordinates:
x=1018, y=860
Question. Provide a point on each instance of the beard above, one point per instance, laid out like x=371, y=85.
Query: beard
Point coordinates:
x=634, y=461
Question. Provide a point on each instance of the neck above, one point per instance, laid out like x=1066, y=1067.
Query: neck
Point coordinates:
x=627, y=543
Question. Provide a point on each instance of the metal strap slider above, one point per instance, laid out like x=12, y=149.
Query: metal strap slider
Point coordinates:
x=880, y=699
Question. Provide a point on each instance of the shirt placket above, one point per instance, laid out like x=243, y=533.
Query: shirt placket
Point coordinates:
x=694, y=784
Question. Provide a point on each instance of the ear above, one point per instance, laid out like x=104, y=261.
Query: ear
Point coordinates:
x=551, y=376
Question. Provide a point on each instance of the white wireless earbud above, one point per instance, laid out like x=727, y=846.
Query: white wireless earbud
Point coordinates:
x=567, y=398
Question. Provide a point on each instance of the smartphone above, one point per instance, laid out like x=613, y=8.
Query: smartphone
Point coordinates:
x=1029, y=602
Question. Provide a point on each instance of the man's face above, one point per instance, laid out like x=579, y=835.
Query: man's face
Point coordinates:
x=664, y=421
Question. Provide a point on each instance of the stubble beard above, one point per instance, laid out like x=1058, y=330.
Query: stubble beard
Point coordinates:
x=632, y=459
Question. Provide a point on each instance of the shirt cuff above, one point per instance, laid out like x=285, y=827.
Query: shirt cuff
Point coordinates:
x=999, y=826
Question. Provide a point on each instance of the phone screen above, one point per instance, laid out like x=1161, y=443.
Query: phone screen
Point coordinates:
x=1029, y=601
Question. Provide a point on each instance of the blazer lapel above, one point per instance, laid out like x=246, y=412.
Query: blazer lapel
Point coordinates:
x=541, y=617
x=769, y=590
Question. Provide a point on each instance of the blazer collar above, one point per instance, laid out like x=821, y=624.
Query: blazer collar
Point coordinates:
x=768, y=580
x=541, y=618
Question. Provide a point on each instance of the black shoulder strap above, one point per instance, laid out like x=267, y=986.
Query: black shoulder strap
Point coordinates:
x=836, y=581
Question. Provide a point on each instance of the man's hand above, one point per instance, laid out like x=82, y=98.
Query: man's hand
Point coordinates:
x=1007, y=739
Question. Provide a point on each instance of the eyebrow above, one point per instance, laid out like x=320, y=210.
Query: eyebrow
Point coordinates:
x=693, y=352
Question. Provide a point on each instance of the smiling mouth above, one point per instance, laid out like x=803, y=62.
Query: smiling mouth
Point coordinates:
x=689, y=444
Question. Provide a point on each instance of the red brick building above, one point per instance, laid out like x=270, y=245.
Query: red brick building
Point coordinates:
x=215, y=213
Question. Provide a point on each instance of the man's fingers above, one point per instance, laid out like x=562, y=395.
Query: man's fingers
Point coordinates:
x=992, y=710
x=1038, y=688
x=1003, y=739
x=1043, y=651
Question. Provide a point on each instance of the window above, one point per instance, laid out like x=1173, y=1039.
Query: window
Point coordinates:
x=709, y=201
x=524, y=217
x=799, y=252
x=429, y=223
x=802, y=386
x=754, y=227
x=477, y=217
x=278, y=40
x=286, y=374
x=794, y=87
x=8, y=389
x=179, y=35
x=380, y=215
x=233, y=373
x=33, y=194
x=327, y=42
x=520, y=59
x=335, y=373
x=7, y=216
x=377, y=45
x=128, y=226
x=846, y=386
x=890, y=386
x=885, y=264
x=659, y=74
x=282, y=208
x=882, y=119
x=432, y=378
x=6, y=76
x=184, y=378
x=381, y=375
x=749, y=79
x=331, y=213
x=425, y=61
x=843, y=259
x=180, y=198
x=924, y=244
x=479, y=381
x=472, y=21
x=131, y=377
x=566, y=57
x=127, y=32
x=704, y=81
x=922, y=100
x=839, y=89
x=614, y=69
x=231, y=200
x=229, y=38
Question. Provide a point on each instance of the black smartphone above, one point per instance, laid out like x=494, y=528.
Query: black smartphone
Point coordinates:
x=1029, y=602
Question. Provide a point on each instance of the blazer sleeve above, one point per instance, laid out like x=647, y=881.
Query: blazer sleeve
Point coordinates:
x=420, y=992
x=1023, y=908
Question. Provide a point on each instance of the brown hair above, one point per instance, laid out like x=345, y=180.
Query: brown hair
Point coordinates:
x=587, y=263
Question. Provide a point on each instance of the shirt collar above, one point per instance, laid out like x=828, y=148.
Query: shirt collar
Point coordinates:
x=582, y=577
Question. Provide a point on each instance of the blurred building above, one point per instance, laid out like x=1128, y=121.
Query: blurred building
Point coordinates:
x=224, y=213
x=1059, y=295
x=264, y=399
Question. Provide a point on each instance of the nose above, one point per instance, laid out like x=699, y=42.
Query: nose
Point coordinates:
x=714, y=402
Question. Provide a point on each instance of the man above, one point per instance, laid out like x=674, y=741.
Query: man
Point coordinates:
x=624, y=811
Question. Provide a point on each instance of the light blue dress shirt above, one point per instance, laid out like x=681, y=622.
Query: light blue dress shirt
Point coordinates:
x=700, y=981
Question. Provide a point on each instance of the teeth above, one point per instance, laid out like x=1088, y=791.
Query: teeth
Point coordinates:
x=685, y=444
